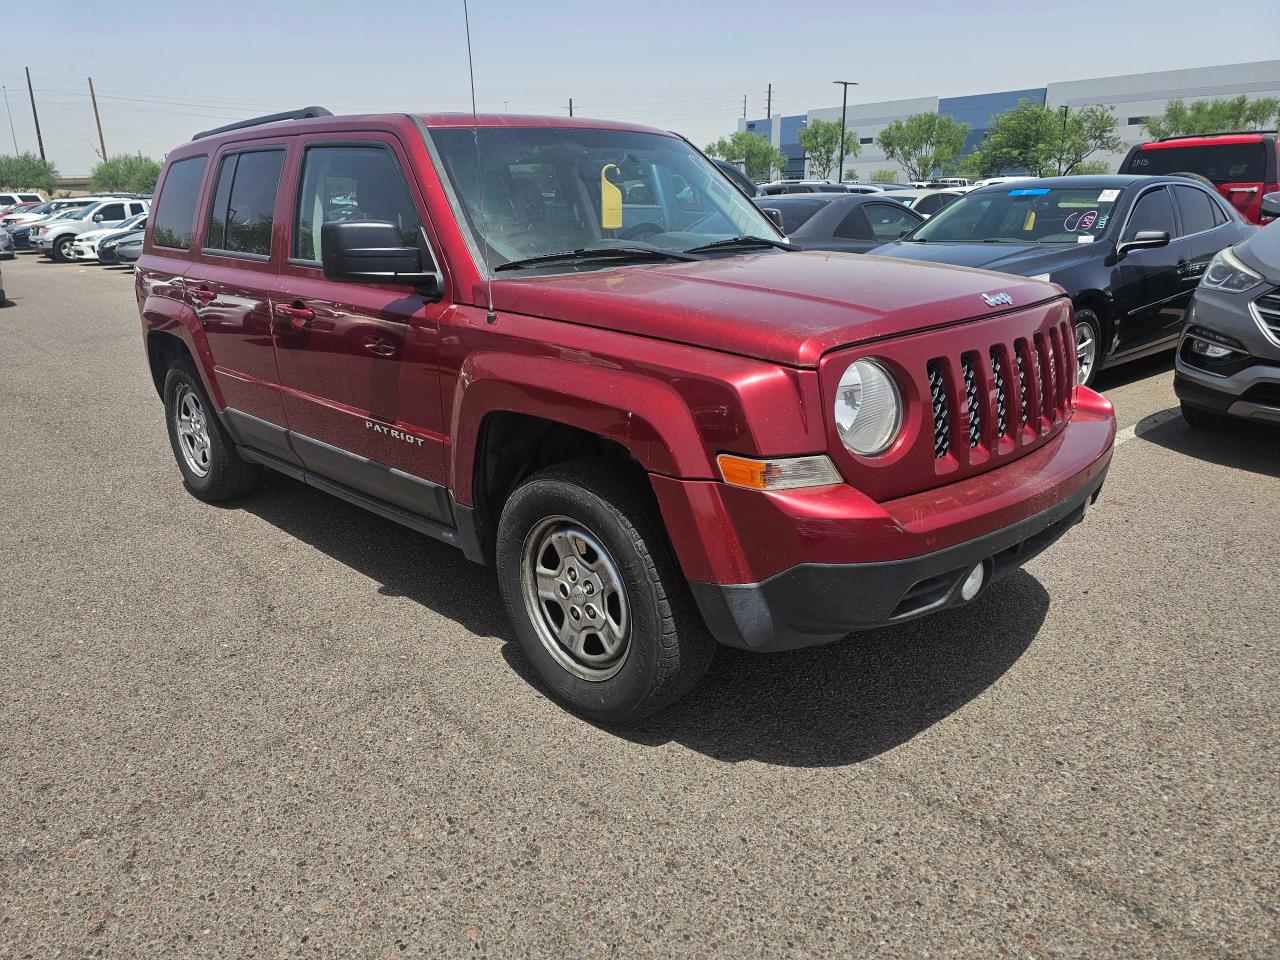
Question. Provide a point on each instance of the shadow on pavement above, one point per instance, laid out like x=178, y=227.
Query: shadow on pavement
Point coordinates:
x=1239, y=443
x=855, y=699
x=1135, y=370
x=836, y=704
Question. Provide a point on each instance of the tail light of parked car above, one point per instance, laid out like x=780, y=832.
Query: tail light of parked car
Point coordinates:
x=954, y=402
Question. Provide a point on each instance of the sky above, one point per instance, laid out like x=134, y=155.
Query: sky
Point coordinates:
x=164, y=71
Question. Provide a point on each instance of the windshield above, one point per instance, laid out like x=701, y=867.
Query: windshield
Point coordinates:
x=541, y=191
x=1023, y=215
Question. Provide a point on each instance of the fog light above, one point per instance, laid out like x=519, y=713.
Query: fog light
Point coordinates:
x=973, y=583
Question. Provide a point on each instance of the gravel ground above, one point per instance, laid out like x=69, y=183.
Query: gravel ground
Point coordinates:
x=289, y=728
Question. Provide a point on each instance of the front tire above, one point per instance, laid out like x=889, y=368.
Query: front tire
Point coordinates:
x=597, y=601
x=1088, y=346
x=60, y=252
x=211, y=468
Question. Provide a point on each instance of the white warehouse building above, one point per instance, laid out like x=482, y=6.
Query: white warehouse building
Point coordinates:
x=1134, y=98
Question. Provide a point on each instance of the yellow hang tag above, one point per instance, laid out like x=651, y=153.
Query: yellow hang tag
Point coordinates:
x=1029, y=223
x=610, y=199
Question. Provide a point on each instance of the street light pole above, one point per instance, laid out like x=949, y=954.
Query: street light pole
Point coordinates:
x=844, y=109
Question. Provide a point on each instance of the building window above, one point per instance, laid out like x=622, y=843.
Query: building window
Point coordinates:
x=866, y=140
x=1136, y=121
x=751, y=126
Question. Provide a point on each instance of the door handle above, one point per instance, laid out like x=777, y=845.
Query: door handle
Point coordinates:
x=298, y=317
x=1242, y=190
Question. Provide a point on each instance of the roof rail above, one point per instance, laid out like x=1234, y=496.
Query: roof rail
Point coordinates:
x=302, y=114
x=1219, y=133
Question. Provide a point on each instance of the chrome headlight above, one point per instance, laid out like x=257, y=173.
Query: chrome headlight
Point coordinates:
x=868, y=408
x=1228, y=273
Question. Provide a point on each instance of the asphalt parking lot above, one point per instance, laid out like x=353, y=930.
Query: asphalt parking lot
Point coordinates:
x=286, y=727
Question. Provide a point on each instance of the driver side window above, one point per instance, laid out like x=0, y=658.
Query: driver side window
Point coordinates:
x=350, y=183
x=1153, y=211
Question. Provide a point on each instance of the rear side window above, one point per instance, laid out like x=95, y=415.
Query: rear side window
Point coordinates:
x=1219, y=162
x=176, y=207
x=1196, y=209
x=1153, y=211
x=795, y=213
x=362, y=183
x=854, y=226
x=244, y=203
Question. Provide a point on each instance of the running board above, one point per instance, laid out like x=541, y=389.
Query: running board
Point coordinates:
x=414, y=521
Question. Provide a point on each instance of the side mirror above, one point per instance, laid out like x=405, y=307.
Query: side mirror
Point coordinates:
x=1143, y=240
x=373, y=251
x=1270, y=207
x=774, y=215
x=97, y=218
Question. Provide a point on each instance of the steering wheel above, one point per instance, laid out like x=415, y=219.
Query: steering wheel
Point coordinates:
x=641, y=230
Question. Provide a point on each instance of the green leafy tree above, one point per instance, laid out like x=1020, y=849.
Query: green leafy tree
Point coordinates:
x=125, y=173
x=1045, y=141
x=883, y=176
x=1214, y=116
x=923, y=142
x=26, y=171
x=760, y=157
x=821, y=141
x=1087, y=167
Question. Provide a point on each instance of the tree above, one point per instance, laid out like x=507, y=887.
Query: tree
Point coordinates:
x=923, y=142
x=821, y=141
x=883, y=176
x=125, y=173
x=1046, y=141
x=1214, y=116
x=754, y=152
x=26, y=171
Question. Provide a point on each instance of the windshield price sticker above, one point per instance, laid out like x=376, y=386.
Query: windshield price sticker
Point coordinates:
x=1108, y=196
x=1084, y=238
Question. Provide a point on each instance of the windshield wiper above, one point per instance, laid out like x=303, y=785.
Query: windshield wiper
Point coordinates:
x=583, y=255
x=740, y=243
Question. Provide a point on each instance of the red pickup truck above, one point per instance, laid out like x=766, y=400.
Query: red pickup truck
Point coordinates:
x=577, y=351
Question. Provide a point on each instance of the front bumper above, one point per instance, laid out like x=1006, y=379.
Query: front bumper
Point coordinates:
x=776, y=571
x=817, y=603
x=1247, y=385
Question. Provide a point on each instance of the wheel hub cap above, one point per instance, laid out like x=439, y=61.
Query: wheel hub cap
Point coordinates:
x=193, y=431
x=1086, y=351
x=575, y=597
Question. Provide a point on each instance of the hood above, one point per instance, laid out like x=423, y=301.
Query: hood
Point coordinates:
x=1262, y=252
x=1022, y=259
x=785, y=307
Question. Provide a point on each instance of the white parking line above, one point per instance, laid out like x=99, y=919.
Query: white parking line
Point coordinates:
x=1147, y=423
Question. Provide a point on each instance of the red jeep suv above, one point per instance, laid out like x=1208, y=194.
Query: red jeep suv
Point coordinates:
x=575, y=350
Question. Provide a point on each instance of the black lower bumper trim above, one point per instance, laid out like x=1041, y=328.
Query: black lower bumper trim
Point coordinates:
x=813, y=603
x=1198, y=395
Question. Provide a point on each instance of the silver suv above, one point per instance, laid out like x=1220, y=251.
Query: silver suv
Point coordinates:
x=55, y=237
x=1228, y=361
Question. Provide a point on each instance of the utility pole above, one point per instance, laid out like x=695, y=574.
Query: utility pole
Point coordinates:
x=10, y=112
x=844, y=109
x=98, y=120
x=768, y=100
x=744, y=106
x=1062, y=149
x=571, y=106
x=32, y=94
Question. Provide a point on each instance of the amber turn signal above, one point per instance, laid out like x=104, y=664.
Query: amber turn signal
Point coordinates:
x=780, y=474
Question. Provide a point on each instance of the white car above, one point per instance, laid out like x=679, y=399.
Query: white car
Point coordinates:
x=55, y=237
x=994, y=181
x=85, y=245
x=9, y=199
x=927, y=202
x=45, y=211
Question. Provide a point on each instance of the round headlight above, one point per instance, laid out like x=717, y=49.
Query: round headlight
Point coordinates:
x=868, y=408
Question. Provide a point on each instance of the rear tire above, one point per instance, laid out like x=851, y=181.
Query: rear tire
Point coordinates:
x=1200, y=419
x=598, y=603
x=211, y=468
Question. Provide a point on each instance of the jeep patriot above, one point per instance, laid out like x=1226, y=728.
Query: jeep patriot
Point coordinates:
x=576, y=351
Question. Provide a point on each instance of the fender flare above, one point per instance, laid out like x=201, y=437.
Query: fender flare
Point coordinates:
x=644, y=415
x=175, y=318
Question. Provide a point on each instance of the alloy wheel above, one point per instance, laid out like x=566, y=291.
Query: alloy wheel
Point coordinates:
x=193, y=430
x=576, y=599
x=1086, y=350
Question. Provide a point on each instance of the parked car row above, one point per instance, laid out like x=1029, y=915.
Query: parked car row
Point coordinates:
x=105, y=229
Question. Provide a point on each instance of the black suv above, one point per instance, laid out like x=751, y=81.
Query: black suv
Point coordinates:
x=1129, y=250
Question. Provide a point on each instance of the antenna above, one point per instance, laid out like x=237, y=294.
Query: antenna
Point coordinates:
x=490, y=316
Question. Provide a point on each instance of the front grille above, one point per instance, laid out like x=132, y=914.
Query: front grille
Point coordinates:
x=971, y=401
x=1044, y=396
x=941, y=422
x=1268, y=309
